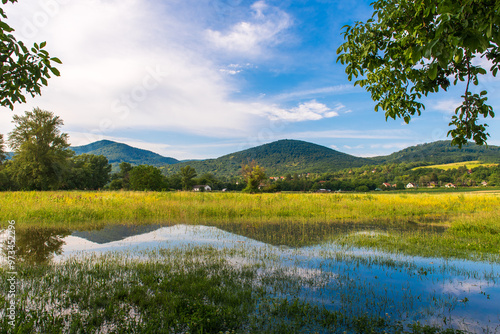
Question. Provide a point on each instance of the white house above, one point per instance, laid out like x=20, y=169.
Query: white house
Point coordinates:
x=411, y=185
x=202, y=188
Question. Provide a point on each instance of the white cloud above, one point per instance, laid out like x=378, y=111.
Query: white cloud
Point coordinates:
x=314, y=92
x=123, y=67
x=397, y=146
x=250, y=37
x=307, y=111
x=353, y=134
x=447, y=106
x=358, y=147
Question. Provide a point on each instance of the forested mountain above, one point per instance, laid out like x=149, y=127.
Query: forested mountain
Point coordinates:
x=118, y=152
x=441, y=152
x=277, y=158
x=291, y=156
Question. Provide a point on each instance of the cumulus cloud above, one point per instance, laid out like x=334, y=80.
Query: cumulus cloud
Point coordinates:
x=447, y=106
x=142, y=66
x=307, y=111
x=125, y=68
x=250, y=37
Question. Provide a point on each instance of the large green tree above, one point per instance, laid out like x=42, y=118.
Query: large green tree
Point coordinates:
x=409, y=49
x=188, y=173
x=146, y=177
x=40, y=150
x=22, y=71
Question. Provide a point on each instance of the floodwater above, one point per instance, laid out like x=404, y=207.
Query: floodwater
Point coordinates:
x=447, y=293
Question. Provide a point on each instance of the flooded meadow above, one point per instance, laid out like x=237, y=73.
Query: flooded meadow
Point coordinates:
x=417, y=275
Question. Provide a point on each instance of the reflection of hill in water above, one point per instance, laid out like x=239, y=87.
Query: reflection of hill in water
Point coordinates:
x=276, y=234
x=115, y=232
x=301, y=235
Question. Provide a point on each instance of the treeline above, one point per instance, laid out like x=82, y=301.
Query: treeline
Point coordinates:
x=146, y=177
x=388, y=177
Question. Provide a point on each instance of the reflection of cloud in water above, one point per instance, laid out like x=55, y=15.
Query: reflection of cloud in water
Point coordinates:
x=166, y=237
x=334, y=276
x=3, y=238
x=458, y=287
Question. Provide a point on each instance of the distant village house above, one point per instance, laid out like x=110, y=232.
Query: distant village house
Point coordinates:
x=202, y=188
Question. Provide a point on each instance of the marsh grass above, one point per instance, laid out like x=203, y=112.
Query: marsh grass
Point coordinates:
x=204, y=290
x=415, y=222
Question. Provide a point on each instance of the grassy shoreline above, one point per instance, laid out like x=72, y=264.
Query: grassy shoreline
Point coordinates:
x=472, y=220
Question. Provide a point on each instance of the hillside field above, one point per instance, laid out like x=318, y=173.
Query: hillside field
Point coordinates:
x=468, y=164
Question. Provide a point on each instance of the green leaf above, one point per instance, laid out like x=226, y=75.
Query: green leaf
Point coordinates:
x=432, y=72
x=4, y=26
x=416, y=55
x=56, y=60
x=55, y=71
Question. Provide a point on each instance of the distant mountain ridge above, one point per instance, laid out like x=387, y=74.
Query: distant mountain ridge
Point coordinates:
x=290, y=156
x=277, y=158
x=118, y=152
x=442, y=152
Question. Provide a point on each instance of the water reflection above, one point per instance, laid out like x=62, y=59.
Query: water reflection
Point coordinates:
x=461, y=294
x=450, y=293
x=37, y=245
x=299, y=234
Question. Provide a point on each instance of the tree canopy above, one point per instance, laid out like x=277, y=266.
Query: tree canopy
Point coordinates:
x=40, y=150
x=22, y=70
x=409, y=49
x=188, y=173
x=145, y=177
x=253, y=175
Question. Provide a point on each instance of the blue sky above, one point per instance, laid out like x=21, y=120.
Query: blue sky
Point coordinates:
x=194, y=79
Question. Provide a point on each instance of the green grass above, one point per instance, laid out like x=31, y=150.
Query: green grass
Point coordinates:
x=67, y=209
x=472, y=219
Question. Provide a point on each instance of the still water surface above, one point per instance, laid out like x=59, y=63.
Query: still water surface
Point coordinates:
x=446, y=293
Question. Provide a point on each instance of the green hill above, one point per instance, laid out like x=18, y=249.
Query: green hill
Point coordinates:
x=278, y=158
x=441, y=152
x=117, y=152
x=292, y=156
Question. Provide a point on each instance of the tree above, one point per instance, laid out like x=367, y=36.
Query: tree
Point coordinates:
x=89, y=171
x=145, y=177
x=121, y=180
x=188, y=173
x=2, y=150
x=253, y=175
x=40, y=150
x=23, y=71
x=409, y=49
